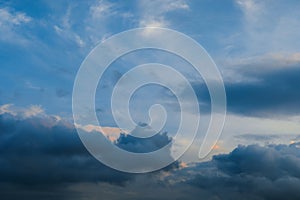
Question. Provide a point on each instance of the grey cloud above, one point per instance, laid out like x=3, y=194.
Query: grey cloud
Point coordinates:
x=143, y=145
x=42, y=157
x=248, y=172
x=251, y=172
x=274, y=91
x=41, y=150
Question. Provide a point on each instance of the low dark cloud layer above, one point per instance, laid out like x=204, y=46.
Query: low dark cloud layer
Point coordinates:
x=44, y=150
x=274, y=92
x=248, y=172
x=263, y=91
x=42, y=157
x=251, y=172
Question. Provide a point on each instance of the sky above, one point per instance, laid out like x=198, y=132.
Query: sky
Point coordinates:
x=256, y=47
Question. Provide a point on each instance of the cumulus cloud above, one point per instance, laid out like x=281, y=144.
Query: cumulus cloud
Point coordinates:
x=42, y=154
x=248, y=172
x=41, y=150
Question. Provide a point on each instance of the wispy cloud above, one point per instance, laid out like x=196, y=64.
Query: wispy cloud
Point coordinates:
x=103, y=9
x=153, y=13
x=270, y=26
x=10, y=22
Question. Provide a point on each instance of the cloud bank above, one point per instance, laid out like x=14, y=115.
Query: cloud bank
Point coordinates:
x=42, y=154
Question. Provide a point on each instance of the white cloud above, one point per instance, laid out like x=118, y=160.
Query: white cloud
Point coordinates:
x=31, y=111
x=9, y=21
x=249, y=6
x=8, y=18
x=153, y=12
x=95, y=23
x=112, y=133
x=6, y=109
x=153, y=23
x=268, y=60
x=64, y=29
x=69, y=35
x=160, y=7
x=102, y=9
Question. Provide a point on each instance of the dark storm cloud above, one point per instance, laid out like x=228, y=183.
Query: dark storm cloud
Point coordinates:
x=146, y=145
x=261, y=92
x=46, y=150
x=42, y=157
x=272, y=162
x=42, y=150
x=275, y=91
x=142, y=145
x=250, y=172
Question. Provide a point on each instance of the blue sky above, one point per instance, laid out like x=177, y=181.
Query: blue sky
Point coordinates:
x=43, y=44
x=255, y=45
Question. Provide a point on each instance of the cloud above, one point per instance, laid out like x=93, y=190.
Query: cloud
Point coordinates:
x=143, y=145
x=250, y=7
x=268, y=61
x=112, y=133
x=272, y=162
x=153, y=12
x=269, y=26
x=31, y=111
x=9, y=18
x=64, y=29
x=43, y=150
x=10, y=23
x=275, y=92
x=264, y=87
x=102, y=9
x=40, y=149
x=85, y=24
x=257, y=137
x=248, y=172
x=42, y=154
x=6, y=109
x=266, y=139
